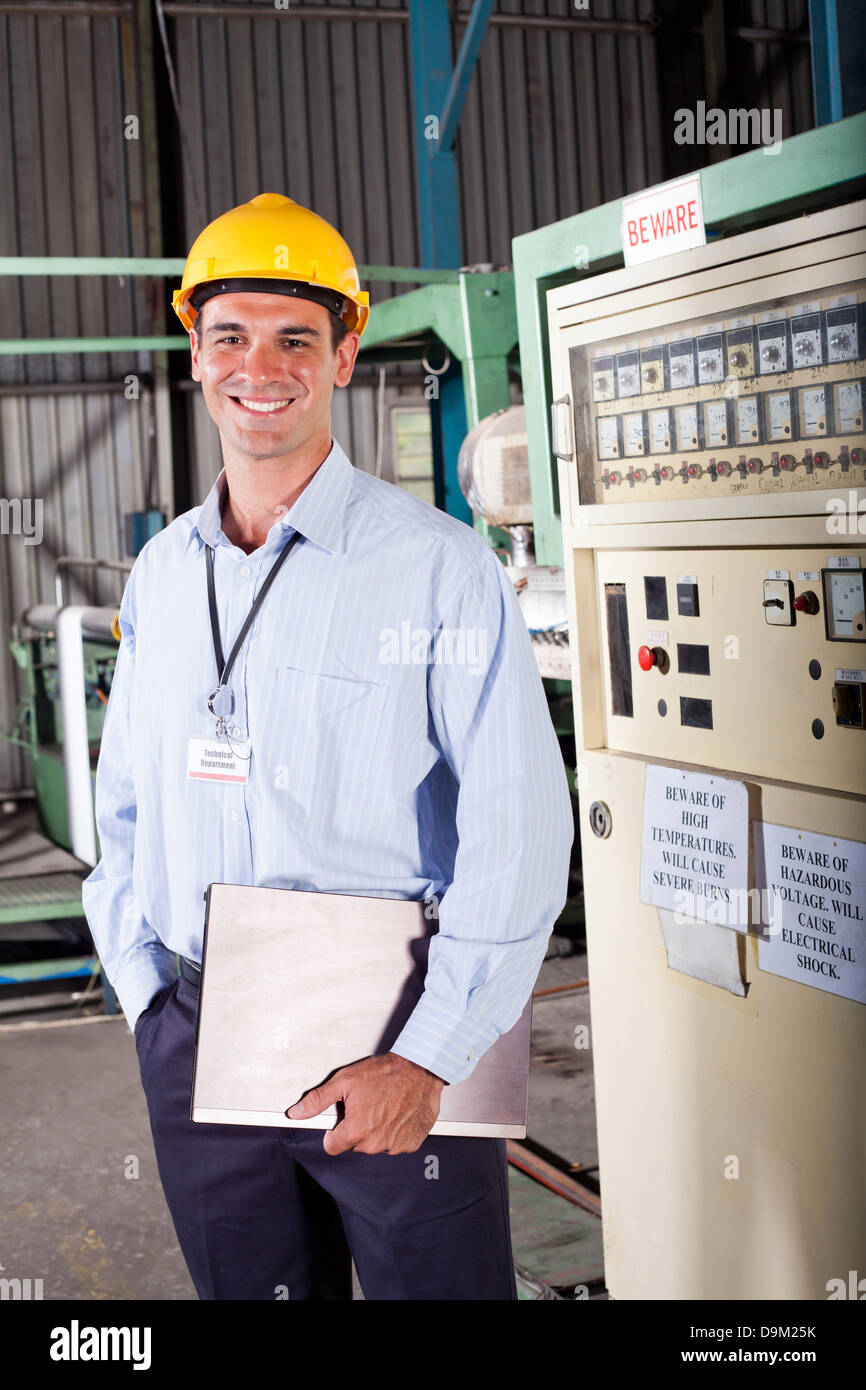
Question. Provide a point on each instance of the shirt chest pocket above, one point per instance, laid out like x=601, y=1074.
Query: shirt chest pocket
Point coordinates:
x=327, y=734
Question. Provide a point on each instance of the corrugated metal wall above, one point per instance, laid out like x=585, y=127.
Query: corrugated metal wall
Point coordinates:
x=565, y=110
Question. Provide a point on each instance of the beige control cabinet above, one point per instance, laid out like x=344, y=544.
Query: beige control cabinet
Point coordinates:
x=708, y=420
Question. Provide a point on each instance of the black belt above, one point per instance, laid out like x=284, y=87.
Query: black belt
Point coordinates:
x=190, y=971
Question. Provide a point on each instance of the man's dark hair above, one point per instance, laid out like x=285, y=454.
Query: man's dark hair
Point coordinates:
x=339, y=329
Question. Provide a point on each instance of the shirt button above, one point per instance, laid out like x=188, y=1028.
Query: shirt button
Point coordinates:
x=471, y=1057
x=245, y=569
x=235, y=815
x=236, y=732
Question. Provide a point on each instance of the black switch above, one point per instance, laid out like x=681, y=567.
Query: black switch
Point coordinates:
x=656, y=592
x=687, y=600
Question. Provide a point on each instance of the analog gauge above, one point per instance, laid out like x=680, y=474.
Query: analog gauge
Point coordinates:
x=813, y=411
x=608, y=436
x=687, y=426
x=747, y=424
x=634, y=435
x=660, y=431
x=652, y=369
x=741, y=352
x=711, y=359
x=845, y=605
x=779, y=415
x=628, y=374
x=716, y=431
x=848, y=404
x=806, y=340
x=773, y=346
x=602, y=379
x=842, y=335
x=681, y=363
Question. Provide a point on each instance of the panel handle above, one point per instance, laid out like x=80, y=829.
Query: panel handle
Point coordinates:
x=555, y=417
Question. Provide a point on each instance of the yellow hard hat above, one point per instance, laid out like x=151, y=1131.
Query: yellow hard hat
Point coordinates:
x=273, y=239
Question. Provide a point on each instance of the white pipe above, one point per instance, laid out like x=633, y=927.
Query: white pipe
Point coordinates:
x=96, y=622
x=69, y=627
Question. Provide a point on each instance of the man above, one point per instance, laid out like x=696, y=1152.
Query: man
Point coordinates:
x=417, y=778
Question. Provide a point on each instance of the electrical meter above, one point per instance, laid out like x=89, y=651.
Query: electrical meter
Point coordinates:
x=848, y=405
x=780, y=416
x=681, y=363
x=660, y=431
x=652, y=369
x=773, y=345
x=747, y=420
x=806, y=348
x=845, y=605
x=628, y=374
x=741, y=351
x=813, y=411
x=602, y=379
x=843, y=338
x=711, y=358
x=716, y=427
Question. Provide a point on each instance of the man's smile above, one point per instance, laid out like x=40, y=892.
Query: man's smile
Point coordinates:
x=261, y=405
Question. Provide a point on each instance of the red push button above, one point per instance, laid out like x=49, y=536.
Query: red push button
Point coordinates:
x=646, y=658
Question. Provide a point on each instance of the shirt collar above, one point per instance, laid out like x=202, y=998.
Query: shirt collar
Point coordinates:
x=318, y=513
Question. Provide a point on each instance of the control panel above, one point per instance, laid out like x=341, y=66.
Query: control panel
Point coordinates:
x=753, y=660
x=768, y=398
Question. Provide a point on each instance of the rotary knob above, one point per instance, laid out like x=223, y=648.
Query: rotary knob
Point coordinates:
x=770, y=353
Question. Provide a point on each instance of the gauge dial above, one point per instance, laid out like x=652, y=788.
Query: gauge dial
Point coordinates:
x=634, y=437
x=715, y=423
x=628, y=374
x=780, y=415
x=813, y=411
x=681, y=363
x=747, y=424
x=848, y=400
x=660, y=431
x=845, y=605
x=602, y=379
x=608, y=436
x=687, y=426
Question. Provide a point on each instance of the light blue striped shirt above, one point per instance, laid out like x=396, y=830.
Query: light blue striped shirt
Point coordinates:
x=401, y=748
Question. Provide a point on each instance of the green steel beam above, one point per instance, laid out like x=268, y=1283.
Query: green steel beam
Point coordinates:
x=803, y=173
x=171, y=266
x=26, y=347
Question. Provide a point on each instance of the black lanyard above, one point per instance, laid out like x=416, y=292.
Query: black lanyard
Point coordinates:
x=224, y=667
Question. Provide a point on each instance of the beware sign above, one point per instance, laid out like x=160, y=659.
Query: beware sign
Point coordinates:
x=663, y=220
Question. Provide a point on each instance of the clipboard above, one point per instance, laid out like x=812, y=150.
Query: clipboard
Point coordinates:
x=296, y=984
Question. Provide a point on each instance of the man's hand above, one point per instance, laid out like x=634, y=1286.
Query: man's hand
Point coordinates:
x=391, y=1106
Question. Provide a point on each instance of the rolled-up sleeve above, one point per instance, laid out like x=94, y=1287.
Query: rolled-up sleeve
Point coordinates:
x=514, y=822
x=132, y=956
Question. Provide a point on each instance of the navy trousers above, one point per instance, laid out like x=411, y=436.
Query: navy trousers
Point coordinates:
x=265, y=1213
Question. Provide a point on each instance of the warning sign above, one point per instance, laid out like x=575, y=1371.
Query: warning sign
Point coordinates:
x=818, y=887
x=696, y=846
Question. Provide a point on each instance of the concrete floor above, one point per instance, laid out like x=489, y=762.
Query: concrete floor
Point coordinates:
x=82, y=1207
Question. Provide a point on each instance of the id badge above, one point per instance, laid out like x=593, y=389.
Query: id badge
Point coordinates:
x=214, y=760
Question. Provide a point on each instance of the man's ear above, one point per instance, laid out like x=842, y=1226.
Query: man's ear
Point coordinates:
x=195, y=352
x=346, y=354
